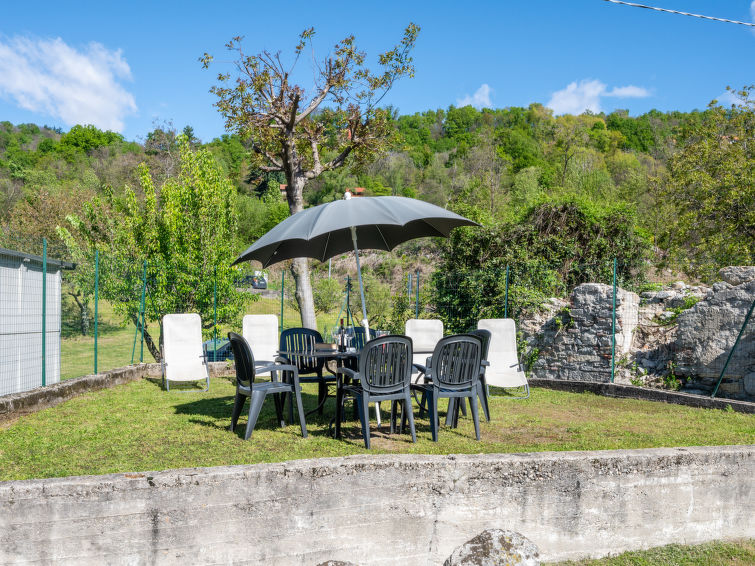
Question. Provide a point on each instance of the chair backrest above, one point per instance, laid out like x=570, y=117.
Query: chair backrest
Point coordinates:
x=484, y=336
x=425, y=334
x=359, y=340
x=456, y=361
x=302, y=341
x=261, y=332
x=504, y=370
x=243, y=359
x=183, y=355
x=385, y=364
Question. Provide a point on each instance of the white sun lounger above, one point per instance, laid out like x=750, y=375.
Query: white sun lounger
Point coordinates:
x=261, y=332
x=183, y=356
x=504, y=370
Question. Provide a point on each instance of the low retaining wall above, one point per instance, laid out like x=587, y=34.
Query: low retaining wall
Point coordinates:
x=386, y=510
x=644, y=393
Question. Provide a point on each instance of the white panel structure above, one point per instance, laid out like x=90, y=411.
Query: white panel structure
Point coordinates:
x=21, y=292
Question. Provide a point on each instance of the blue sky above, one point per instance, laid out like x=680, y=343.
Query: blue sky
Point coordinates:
x=126, y=65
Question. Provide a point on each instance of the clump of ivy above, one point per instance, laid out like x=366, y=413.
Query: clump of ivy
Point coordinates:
x=555, y=245
x=688, y=303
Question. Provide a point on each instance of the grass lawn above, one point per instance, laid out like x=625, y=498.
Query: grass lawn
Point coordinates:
x=139, y=427
x=734, y=553
x=115, y=341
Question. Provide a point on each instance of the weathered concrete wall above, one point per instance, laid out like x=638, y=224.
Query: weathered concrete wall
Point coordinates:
x=393, y=510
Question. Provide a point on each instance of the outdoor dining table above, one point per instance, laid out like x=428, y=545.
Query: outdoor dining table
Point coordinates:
x=340, y=358
x=328, y=355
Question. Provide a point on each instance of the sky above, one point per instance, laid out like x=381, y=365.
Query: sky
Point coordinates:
x=130, y=66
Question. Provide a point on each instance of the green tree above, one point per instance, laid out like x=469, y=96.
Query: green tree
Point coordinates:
x=711, y=179
x=185, y=236
x=279, y=121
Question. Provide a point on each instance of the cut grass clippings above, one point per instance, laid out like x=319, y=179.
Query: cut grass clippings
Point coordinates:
x=140, y=427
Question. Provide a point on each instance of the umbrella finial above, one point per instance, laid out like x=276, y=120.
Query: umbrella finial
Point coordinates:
x=347, y=195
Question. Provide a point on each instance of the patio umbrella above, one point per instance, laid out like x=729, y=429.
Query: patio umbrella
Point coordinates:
x=330, y=229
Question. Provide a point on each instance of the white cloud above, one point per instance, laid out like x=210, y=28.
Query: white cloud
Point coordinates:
x=586, y=95
x=728, y=98
x=628, y=91
x=79, y=87
x=480, y=99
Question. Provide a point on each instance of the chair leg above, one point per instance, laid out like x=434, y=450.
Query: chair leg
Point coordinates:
x=238, y=404
x=394, y=408
x=364, y=417
x=475, y=413
x=482, y=393
x=407, y=410
x=300, y=410
x=322, y=393
x=453, y=411
x=255, y=406
x=377, y=413
x=278, y=400
x=432, y=402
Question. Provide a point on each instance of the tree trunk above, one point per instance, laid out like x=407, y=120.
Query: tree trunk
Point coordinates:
x=300, y=265
x=151, y=346
x=83, y=313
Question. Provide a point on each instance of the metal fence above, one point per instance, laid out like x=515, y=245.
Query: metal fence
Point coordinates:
x=60, y=322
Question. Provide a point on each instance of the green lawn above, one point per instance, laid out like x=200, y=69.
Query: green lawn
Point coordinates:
x=139, y=427
x=734, y=553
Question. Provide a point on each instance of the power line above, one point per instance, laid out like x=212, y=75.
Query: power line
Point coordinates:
x=680, y=13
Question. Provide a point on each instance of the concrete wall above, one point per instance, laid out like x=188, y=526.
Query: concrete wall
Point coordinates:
x=392, y=510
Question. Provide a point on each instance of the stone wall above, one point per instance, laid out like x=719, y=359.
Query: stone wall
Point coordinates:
x=683, y=332
x=382, y=510
x=575, y=342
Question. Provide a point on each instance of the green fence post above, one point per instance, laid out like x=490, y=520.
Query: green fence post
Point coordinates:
x=613, y=331
x=409, y=286
x=416, y=300
x=44, y=312
x=731, y=352
x=506, y=303
x=96, y=302
x=283, y=281
x=144, y=297
x=215, y=318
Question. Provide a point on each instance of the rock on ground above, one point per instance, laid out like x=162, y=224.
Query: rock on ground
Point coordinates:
x=495, y=547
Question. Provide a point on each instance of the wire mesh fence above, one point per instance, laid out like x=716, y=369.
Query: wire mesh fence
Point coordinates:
x=62, y=319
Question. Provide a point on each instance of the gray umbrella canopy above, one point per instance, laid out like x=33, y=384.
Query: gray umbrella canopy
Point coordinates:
x=324, y=231
x=327, y=230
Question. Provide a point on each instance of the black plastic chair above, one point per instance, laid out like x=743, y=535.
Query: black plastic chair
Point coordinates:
x=310, y=368
x=246, y=387
x=385, y=371
x=453, y=373
x=452, y=417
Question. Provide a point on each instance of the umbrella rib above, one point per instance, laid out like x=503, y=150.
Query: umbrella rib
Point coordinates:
x=387, y=247
x=325, y=249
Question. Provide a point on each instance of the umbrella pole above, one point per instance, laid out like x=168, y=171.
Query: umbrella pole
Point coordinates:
x=365, y=324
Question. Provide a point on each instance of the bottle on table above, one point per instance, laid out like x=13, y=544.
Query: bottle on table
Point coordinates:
x=341, y=338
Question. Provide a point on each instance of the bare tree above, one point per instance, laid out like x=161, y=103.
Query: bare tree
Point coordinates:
x=304, y=133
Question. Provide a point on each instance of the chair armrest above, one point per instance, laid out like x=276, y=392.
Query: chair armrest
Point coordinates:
x=281, y=360
x=485, y=363
x=420, y=368
x=348, y=372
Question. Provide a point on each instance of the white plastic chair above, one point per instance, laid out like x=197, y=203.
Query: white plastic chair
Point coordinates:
x=183, y=356
x=504, y=370
x=261, y=332
x=425, y=334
